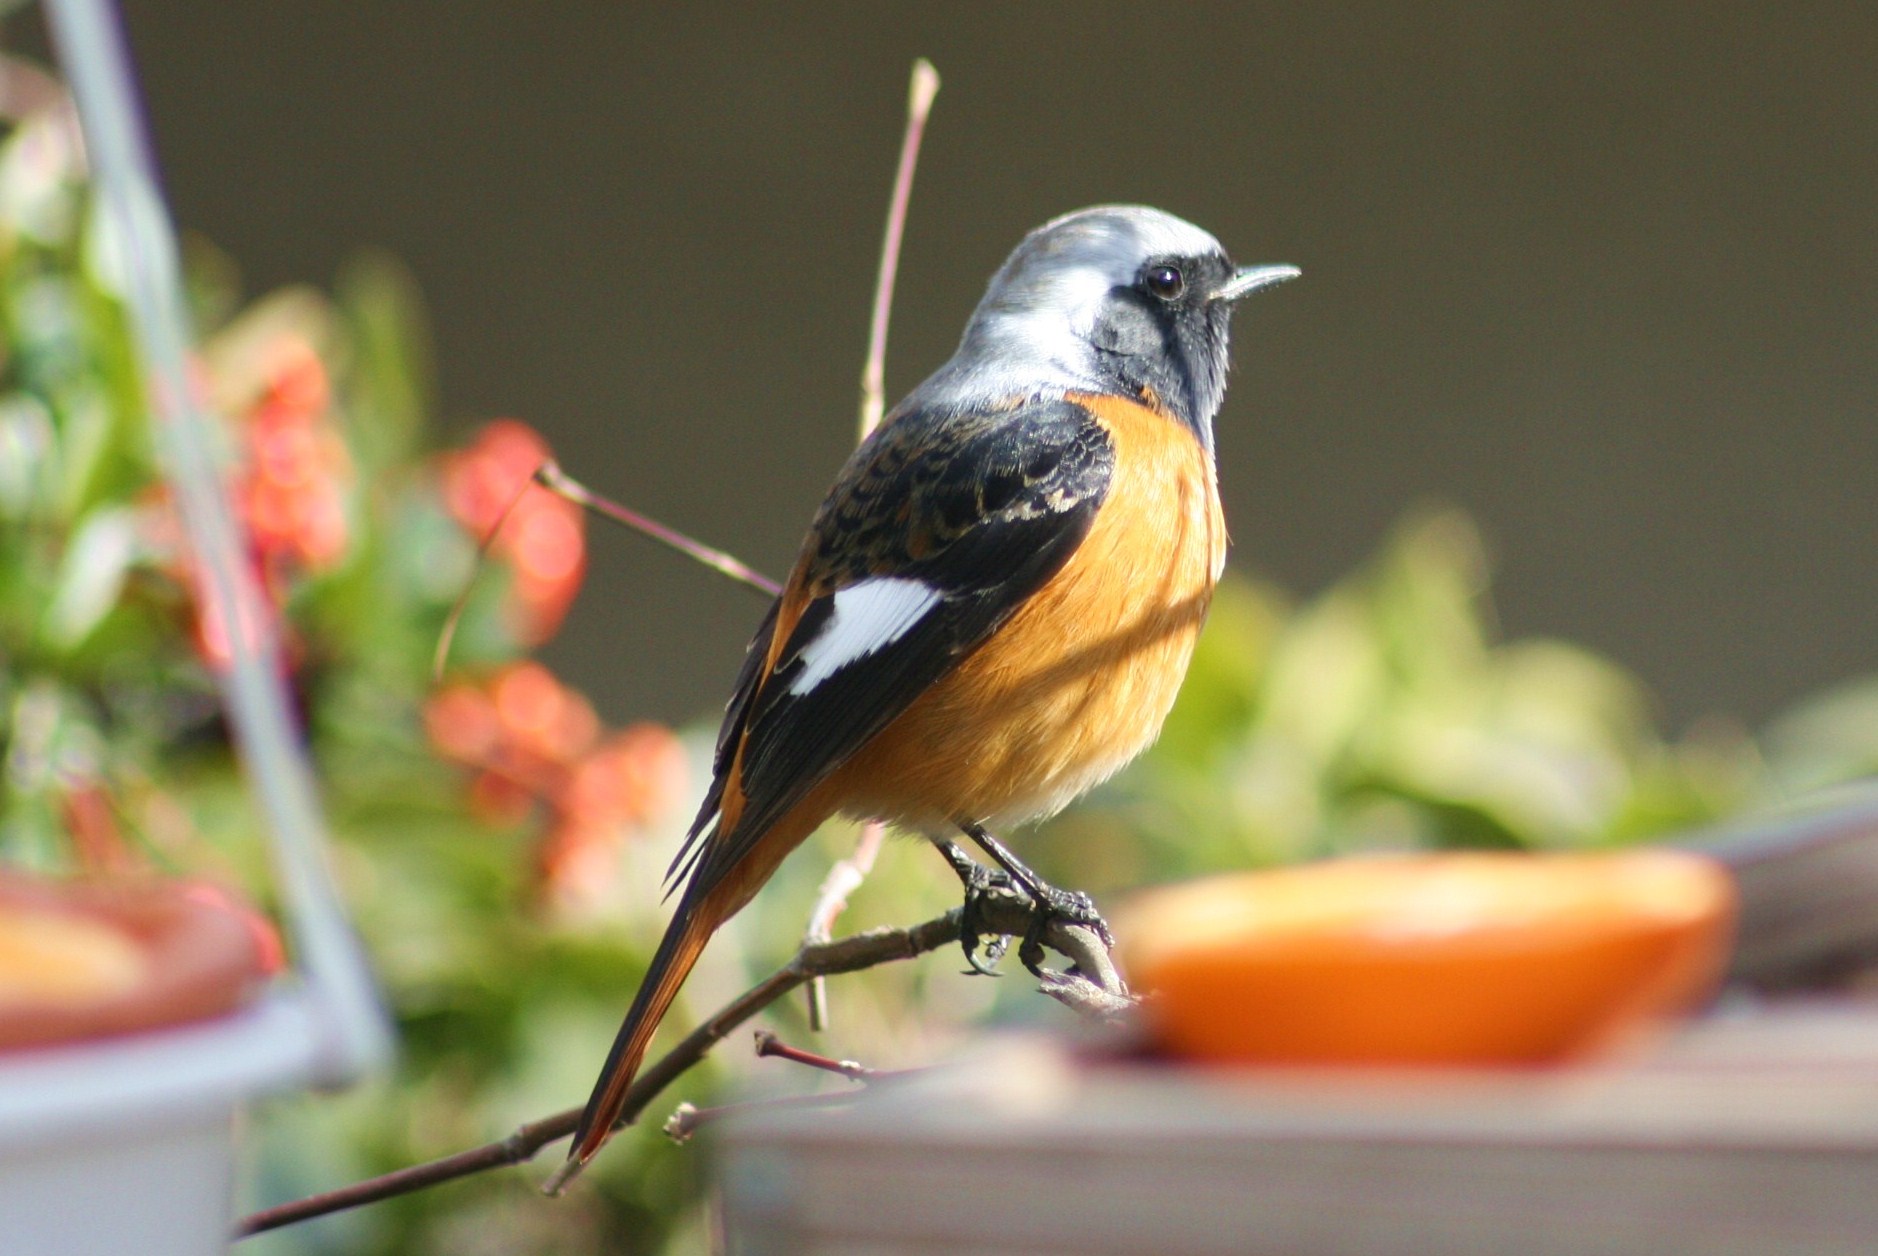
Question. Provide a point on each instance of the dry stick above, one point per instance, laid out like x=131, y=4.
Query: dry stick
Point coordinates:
x=769, y=1045
x=843, y=879
x=1088, y=991
x=457, y=608
x=688, y=1118
x=873, y=374
x=848, y=874
x=550, y=476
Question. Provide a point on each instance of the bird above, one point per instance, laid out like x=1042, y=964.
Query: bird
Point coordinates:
x=998, y=598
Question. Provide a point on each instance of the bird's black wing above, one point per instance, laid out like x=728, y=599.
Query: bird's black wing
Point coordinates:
x=938, y=529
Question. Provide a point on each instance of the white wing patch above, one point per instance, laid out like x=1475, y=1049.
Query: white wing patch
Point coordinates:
x=867, y=618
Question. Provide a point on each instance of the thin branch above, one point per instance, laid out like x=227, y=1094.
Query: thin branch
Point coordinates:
x=847, y=875
x=862, y=950
x=1002, y=910
x=924, y=87
x=550, y=476
x=768, y=1045
x=688, y=1118
x=843, y=879
x=457, y=608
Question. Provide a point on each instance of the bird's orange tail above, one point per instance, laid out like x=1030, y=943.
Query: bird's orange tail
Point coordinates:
x=703, y=907
x=683, y=942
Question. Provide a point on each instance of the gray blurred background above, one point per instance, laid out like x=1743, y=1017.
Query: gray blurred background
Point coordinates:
x=1604, y=275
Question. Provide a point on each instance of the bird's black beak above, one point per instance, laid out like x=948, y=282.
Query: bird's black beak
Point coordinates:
x=1251, y=279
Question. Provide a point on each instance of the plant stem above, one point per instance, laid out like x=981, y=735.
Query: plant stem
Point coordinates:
x=550, y=476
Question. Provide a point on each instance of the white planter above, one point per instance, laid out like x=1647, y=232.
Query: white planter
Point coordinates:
x=127, y=1145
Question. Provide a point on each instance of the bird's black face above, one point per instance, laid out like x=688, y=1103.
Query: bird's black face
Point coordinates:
x=1120, y=299
x=1163, y=338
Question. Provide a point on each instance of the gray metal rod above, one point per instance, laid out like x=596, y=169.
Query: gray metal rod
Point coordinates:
x=142, y=240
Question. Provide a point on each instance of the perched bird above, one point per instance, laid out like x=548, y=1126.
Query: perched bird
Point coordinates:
x=997, y=600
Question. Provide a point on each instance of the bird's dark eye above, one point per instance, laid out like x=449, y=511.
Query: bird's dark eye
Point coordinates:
x=1165, y=282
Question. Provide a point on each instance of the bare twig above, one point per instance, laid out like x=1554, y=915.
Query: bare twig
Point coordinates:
x=687, y=1118
x=768, y=1044
x=846, y=876
x=550, y=476
x=1002, y=910
x=863, y=950
x=458, y=607
x=843, y=879
x=920, y=95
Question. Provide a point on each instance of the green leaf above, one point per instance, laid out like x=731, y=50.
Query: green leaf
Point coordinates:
x=91, y=577
x=26, y=454
x=1827, y=739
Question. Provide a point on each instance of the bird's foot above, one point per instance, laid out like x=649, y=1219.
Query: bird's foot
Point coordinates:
x=980, y=884
x=1047, y=906
x=1050, y=906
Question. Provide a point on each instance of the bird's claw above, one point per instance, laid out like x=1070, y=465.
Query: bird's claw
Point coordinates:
x=981, y=882
x=1051, y=905
x=994, y=948
x=985, y=948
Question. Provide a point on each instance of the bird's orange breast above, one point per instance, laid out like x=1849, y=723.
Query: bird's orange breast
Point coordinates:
x=1078, y=681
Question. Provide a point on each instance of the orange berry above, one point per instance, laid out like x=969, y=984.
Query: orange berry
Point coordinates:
x=285, y=454
x=319, y=537
x=573, y=732
x=632, y=778
x=512, y=446
x=543, y=536
x=547, y=544
x=527, y=697
x=660, y=767
x=539, y=715
x=479, y=482
x=498, y=799
x=297, y=379
x=601, y=789
x=460, y=721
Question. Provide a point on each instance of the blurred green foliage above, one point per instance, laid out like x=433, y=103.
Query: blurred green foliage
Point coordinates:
x=508, y=921
x=1383, y=715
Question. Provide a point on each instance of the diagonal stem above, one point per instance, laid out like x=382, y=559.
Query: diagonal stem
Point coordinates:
x=843, y=879
x=554, y=479
x=769, y=1045
x=924, y=87
x=550, y=476
x=846, y=876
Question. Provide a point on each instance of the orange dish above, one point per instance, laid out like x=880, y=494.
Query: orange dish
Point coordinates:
x=1451, y=959
x=81, y=960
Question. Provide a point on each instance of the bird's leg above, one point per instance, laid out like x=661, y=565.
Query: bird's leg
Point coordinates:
x=1069, y=906
x=978, y=881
